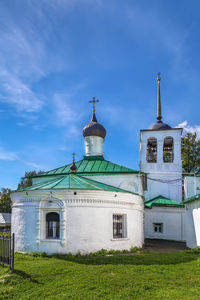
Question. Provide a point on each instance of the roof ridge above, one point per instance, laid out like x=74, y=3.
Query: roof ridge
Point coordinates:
x=86, y=179
x=59, y=181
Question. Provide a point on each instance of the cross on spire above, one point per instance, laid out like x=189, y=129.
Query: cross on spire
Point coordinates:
x=73, y=165
x=93, y=101
x=73, y=157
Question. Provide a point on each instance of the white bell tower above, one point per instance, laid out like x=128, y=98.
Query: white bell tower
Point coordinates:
x=160, y=158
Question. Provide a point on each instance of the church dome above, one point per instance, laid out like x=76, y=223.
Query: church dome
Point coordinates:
x=94, y=128
x=160, y=125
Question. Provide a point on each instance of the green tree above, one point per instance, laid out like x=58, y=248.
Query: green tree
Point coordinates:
x=190, y=149
x=26, y=180
x=5, y=201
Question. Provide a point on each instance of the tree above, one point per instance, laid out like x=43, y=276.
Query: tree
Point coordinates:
x=190, y=148
x=26, y=180
x=5, y=201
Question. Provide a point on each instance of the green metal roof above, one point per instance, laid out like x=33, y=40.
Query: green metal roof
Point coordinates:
x=193, y=198
x=73, y=181
x=91, y=165
x=162, y=201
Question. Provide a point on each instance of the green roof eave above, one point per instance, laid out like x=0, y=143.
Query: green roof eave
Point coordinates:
x=193, y=198
x=161, y=201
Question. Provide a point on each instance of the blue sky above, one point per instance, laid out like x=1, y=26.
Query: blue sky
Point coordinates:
x=55, y=55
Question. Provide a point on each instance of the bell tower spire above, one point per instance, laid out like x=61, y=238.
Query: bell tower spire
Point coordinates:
x=159, y=116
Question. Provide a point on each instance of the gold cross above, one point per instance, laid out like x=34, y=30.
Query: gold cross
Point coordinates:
x=73, y=157
x=93, y=101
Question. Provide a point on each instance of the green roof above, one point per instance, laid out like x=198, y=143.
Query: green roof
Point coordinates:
x=91, y=165
x=193, y=198
x=162, y=201
x=73, y=181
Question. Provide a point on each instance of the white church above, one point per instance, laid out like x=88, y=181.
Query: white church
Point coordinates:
x=94, y=203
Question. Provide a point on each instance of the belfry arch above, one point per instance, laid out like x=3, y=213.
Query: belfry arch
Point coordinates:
x=151, y=154
x=168, y=150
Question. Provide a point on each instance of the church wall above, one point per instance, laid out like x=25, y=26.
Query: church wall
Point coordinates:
x=173, y=220
x=86, y=220
x=168, y=188
x=193, y=224
x=129, y=182
x=191, y=186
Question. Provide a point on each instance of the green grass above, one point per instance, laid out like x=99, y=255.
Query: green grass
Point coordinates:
x=140, y=276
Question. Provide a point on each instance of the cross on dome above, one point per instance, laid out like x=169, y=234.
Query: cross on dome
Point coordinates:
x=73, y=165
x=93, y=101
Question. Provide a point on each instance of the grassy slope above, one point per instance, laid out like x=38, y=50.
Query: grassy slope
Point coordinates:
x=144, y=276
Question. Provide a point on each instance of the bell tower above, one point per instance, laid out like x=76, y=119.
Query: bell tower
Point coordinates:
x=160, y=157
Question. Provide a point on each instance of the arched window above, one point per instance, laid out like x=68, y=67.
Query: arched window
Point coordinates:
x=168, y=150
x=152, y=150
x=52, y=225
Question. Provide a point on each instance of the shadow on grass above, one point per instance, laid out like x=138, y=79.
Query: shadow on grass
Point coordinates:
x=25, y=276
x=139, y=259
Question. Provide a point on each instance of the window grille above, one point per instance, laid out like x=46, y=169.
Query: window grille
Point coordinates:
x=119, y=226
x=158, y=227
x=52, y=226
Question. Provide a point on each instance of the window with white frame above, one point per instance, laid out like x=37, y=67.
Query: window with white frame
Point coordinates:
x=52, y=225
x=158, y=227
x=119, y=226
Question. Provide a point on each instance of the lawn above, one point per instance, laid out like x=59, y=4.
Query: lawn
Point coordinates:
x=140, y=276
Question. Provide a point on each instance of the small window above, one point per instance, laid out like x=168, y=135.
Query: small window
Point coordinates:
x=158, y=227
x=168, y=150
x=152, y=150
x=52, y=225
x=119, y=226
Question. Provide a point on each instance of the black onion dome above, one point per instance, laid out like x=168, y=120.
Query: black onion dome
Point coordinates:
x=160, y=125
x=94, y=128
x=73, y=167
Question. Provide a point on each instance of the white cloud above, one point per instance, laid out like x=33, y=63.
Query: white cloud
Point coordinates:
x=188, y=128
x=12, y=156
x=7, y=155
x=18, y=93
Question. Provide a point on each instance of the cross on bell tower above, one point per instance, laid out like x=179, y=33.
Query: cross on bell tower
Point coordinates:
x=93, y=101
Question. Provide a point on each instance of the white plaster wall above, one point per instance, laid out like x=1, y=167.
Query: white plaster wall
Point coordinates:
x=129, y=182
x=86, y=220
x=171, y=190
x=191, y=186
x=193, y=224
x=93, y=145
x=173, y=220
